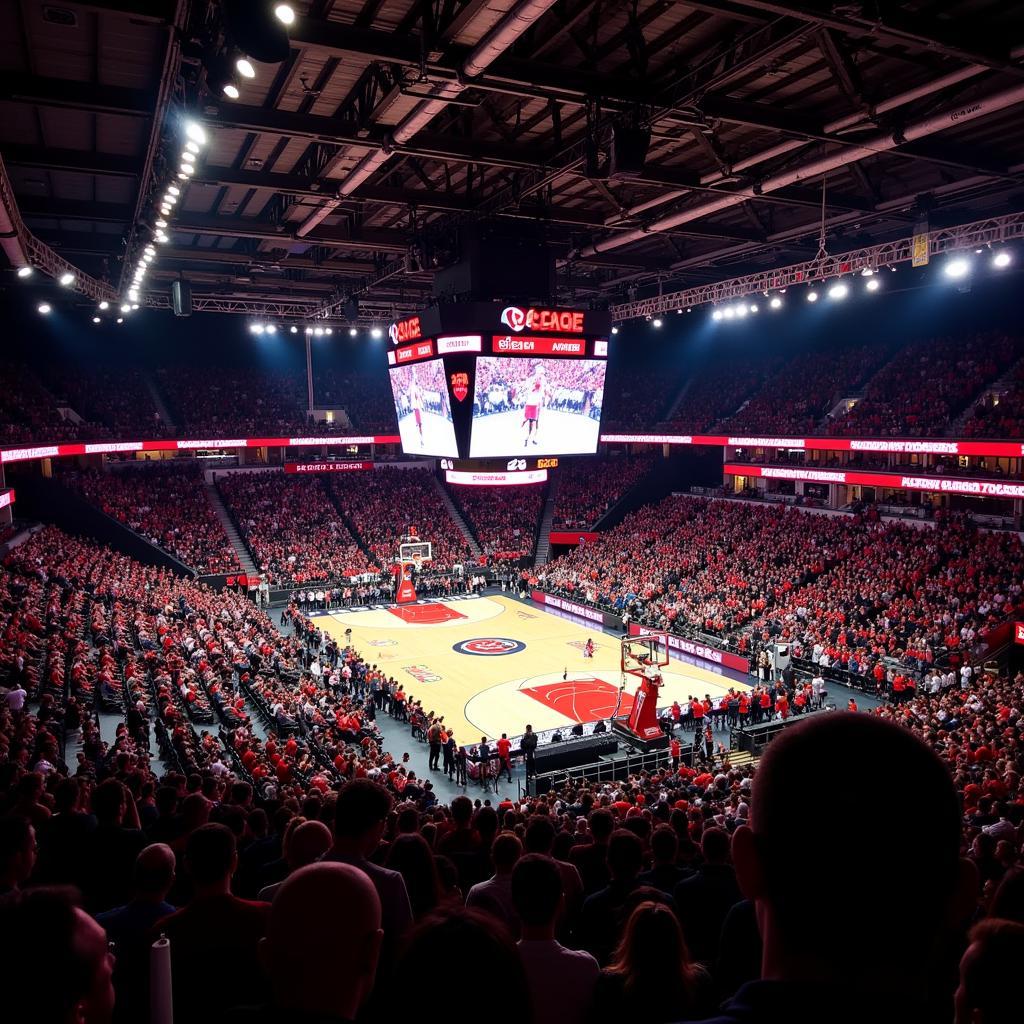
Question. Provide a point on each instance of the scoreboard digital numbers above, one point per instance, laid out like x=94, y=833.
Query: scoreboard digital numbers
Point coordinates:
x=486, y=381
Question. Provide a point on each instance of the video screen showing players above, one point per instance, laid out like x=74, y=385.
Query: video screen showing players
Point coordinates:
x=424, y=414
x=536, y=406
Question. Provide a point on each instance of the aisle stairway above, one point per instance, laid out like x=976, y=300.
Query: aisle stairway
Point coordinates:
x=160, y=404
x=457, y=517
x=546, y=519
x=997, y=387
x=235, y=538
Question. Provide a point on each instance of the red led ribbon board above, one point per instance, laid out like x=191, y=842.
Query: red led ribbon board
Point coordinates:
x=937, y=484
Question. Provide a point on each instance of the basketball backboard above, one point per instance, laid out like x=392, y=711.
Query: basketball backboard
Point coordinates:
x=644, y=652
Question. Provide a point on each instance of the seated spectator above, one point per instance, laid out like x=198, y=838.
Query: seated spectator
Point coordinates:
x=360, y=813
x=561, y=981
x=491, y=980
x=304, y=845
x=322, y=945
x=651, y=976
x=869, y=944
x=411, y=857
x=214, y=928
x=17, y=853
x=57, y=967
x=494, y=896
x=130, y=930
x=704, y=899
x=112, y=847
x=989, y=992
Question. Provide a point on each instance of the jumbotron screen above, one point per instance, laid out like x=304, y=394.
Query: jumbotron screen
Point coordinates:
x=541, y=406
x=483, y=381
x=423, y=409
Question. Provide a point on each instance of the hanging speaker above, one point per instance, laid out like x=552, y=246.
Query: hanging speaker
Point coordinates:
x=629, y=152
x=181, y=298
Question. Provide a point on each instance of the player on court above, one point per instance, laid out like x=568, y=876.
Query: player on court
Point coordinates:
x=588, y=650
x=534, y=400
x=416, y=402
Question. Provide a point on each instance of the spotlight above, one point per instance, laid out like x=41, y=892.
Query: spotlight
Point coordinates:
x=256, y=328
x=999, y=261
x=24, y=272
x=67, y=279
x=161, y=223
x=866, y=272
x=716, y=314
x=191, y=147
x=187, y=169
x=44, y=308
x=104, y=304
x=271, y=328
x=776, y=303
x=244, y=67
x=376, y=333
x=615, y=330
x=120, y=319
x=231, y=90
x=194, y=130
x=125, y=308
x=678, y=311
x=741, y=311
x=284, y=14
x=753, y=307
x=353, y=332
x=318, y=331
x=328, y=330
x=162, y=238
x=309, y=330
x=135, y=305
x=838, y=291
x=812, y=296
x=133, y=294
x=294, y=329
x=729, y=313
x=165, y=210
x=956, y=268
x=188, y=156
x=656, y=322
x=872, y=285
x=146, y=257
x=174, y=190
x=169, y=199
x=182, y=176
x=96, y=320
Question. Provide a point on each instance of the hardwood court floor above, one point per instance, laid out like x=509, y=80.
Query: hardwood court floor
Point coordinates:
x=491, y=664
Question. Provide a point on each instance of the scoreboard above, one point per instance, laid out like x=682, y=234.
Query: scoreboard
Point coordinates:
x=486, y=381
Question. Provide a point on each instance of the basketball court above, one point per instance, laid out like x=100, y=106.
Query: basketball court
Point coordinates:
x=491, y=664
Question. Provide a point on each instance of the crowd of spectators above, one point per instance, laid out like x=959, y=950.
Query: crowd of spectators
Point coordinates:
x=922, y=390
x=300, y=871
x=504, y=520
x=847, y=591
x=292, y=528
x=795, y=400
x=999, y=415
x=29, y=412
x=383, y=504
x=119, y=399
x=166, y=504
x=639, y=398
x=588, y=487
x=366, y=397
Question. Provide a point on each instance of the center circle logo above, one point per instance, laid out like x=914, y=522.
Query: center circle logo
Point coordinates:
x=489, y=646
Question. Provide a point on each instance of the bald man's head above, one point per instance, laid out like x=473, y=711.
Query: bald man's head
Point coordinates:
x=307, y=844
x=323, y=940
x=154, y=871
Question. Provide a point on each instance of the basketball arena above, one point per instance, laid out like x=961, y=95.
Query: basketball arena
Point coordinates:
x=511, y=508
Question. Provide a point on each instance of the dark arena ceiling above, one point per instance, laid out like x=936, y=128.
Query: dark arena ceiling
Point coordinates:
x=350, y=167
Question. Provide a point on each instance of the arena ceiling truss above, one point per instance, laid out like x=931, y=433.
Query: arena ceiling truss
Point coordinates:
x=347, y=169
